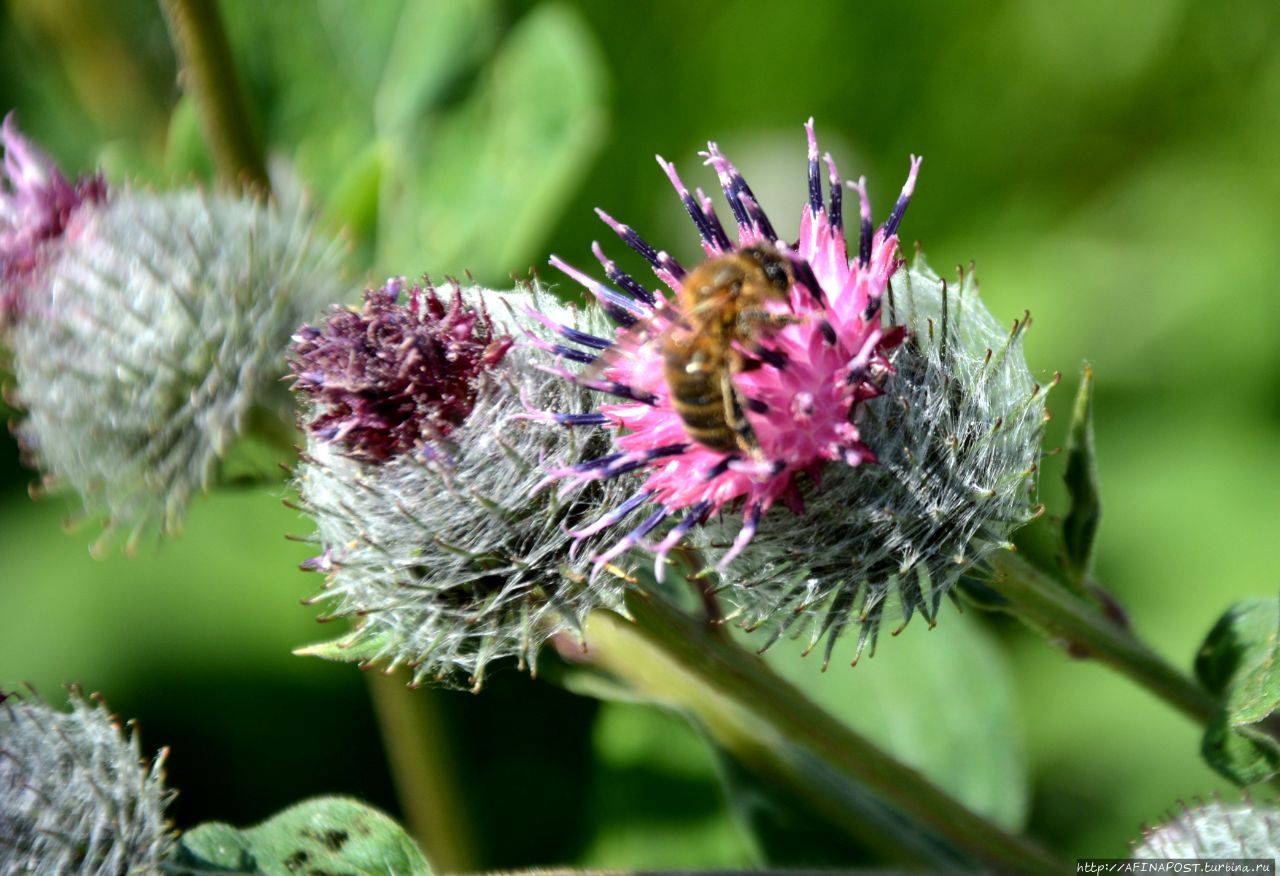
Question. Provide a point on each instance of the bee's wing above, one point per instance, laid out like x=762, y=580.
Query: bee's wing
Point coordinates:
x=627, y=341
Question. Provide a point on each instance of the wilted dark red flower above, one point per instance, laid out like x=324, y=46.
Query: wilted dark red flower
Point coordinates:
x=393, y=376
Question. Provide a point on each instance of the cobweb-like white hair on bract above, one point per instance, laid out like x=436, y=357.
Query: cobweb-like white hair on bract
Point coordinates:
x=152, y=336
x=76, y=795
x=957, y=438
x=456, y=555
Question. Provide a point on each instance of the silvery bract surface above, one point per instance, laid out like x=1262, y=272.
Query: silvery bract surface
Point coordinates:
x=956, y=438
x=155, y=332
x=76, y=796
x=1215, y=830
x=458, y=554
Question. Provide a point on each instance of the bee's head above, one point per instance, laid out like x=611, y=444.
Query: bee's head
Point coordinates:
x=776, y=268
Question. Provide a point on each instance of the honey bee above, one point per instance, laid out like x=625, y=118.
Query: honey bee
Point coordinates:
x=722, y=315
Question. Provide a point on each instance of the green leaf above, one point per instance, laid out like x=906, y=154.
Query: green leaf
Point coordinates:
x=1242, y=754
x=653, y=776
x=939, y=699
x=1080, y=526
x=783, y=824
x=479, y=189
x=332, y=835
x=1240, y=662
x=185, y=155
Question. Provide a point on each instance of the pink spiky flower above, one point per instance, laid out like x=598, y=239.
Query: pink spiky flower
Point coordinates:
x=36, y=207
x=801, y=393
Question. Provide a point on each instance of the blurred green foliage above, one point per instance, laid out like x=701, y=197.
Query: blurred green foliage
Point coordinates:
x=1111, y=167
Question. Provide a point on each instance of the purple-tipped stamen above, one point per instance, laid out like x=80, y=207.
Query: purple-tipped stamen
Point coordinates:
x=758, y=218
x=632, y=461
x=555, y=418
x=713, y=220
x=857, y=366
x=573, y=354
x=611, y=387
x=710, y=244
x=865, y=228
x=568, y=332
x=604, y=521
x=775, y=358
x=672, y=268
x=641, y=246
x=900, y=208
x=628, y=541
x=620, y=277
x=694, y=516
x=837, y=196
x=828, y=333
x=803, y=273
x=735, y=187
x=748, y=532
x=815, y=182
x=620, y=308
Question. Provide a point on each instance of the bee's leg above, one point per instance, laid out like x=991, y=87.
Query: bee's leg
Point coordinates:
x=736, y=417
x=766, y=320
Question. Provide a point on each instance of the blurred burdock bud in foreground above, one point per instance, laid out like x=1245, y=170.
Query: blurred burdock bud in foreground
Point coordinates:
x=777, y=374
x=76, y=795
x=421, y=472
x=957, y=437
x=150, y=331
x=1214, y=830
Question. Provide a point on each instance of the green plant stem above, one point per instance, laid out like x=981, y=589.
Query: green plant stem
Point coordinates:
x=421, y=766
x=759, y=717
x=208, y=74
x=1038, y=599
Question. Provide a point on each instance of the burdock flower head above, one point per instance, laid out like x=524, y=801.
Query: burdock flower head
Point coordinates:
x=148, y=335
x=771, y=374
x=746, y=378
x=76, y=795
x=420, y=472
x=957, y=437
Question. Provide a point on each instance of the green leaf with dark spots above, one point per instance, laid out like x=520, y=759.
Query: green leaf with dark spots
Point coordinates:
x=336, y=836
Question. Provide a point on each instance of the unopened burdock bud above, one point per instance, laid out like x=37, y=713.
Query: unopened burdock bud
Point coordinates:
x=1214, y=830
x=151, y=332
x=76, y=795
x=422, y=472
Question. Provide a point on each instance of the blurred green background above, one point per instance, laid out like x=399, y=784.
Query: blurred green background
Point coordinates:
x=1111, y=168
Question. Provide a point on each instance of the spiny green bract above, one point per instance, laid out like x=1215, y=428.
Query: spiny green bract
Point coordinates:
x=956, y=436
